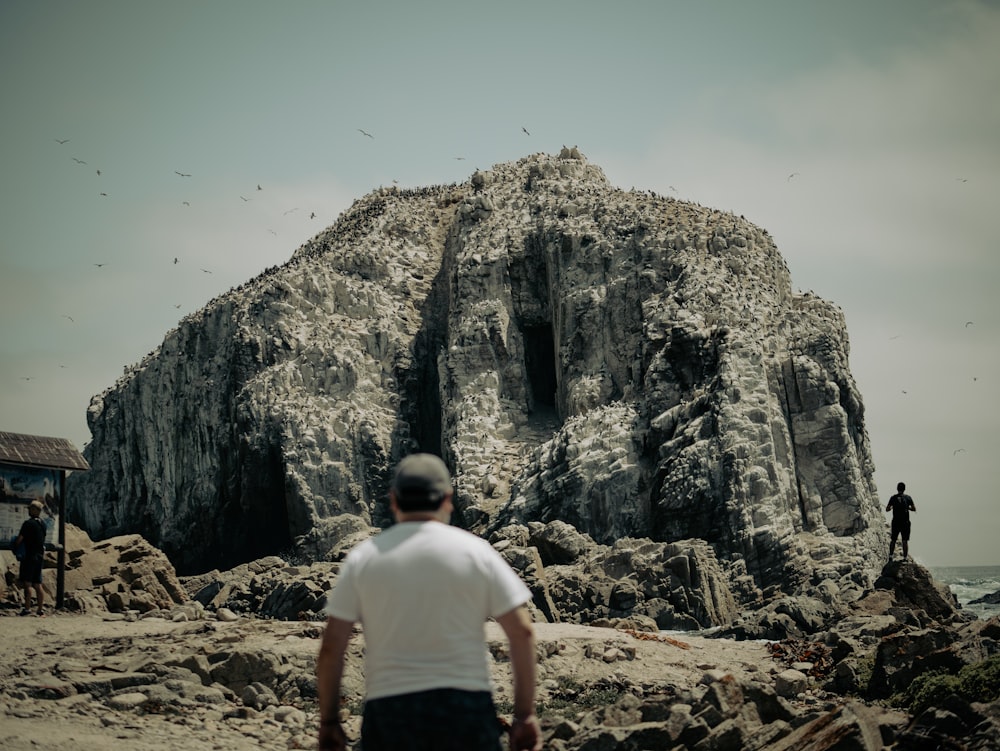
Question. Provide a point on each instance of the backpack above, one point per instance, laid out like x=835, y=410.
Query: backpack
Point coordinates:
x=19, y=551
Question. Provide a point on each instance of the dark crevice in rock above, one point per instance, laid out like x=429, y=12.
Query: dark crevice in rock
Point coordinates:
x=423, y=386
x=540, y=364
x=793, y=406
x=427, y=426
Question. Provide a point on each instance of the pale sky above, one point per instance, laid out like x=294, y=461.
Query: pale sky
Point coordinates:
x=865, y=137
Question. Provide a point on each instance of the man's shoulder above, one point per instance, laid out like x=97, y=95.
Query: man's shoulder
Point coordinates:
x=461, y=539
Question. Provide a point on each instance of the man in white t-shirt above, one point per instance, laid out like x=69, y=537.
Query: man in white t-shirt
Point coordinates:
x=422, y=591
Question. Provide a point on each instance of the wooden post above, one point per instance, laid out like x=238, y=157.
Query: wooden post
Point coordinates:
x=61, y=550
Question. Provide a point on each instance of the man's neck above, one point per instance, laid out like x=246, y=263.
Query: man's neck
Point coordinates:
x=421, y=516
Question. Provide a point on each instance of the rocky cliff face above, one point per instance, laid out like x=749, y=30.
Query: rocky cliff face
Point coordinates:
x=633, y=365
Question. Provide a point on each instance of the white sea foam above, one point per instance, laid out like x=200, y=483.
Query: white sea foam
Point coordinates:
x=970, y=583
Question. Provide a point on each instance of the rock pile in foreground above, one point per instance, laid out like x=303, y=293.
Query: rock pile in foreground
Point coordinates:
x=149, y=660
x=167, y=682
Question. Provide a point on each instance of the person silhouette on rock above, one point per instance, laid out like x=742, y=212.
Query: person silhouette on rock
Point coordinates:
x=900, y=505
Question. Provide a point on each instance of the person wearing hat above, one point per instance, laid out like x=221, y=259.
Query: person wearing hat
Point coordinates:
x=901, y=505
x=422, y=591
x=32, y=535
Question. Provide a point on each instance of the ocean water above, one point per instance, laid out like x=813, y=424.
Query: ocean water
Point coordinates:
x=970, y=583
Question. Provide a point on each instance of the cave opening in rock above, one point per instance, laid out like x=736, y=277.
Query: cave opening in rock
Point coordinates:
x=426, y=399
x=419, y=378
x=540, y=366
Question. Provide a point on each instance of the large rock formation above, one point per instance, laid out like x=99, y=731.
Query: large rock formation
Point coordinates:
x=633, y=365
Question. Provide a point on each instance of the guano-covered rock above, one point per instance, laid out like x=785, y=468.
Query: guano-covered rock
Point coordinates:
x=633, y=365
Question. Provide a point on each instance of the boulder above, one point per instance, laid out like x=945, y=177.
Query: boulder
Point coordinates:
x=123, y=573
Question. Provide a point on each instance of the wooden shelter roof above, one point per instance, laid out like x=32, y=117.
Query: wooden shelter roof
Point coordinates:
x=40, y=451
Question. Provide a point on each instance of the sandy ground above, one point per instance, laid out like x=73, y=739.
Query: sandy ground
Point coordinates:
x=35, y=650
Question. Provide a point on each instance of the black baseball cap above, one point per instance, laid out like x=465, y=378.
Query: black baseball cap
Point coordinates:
x=421, y=482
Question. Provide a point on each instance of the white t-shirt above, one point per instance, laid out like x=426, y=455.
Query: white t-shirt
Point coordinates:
x=423, y=592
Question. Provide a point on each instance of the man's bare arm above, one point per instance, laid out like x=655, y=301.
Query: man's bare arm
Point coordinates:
x=329, y=672
x=516, y=624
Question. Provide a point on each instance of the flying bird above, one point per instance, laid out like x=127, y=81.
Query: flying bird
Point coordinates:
x=175, y=261
x=962, y=179
x=61, y=141
x=312, y=215
x=794, y=174
x=283, y=213
x=182, y=174
x=206, y=271
x=525, y=131
x=98, y=265
x=258, y=187
x=177, y=306
x=244, y=198
x=956, y=451
x=365, y=133
x=78, y=161
x=98, y=173
x=69, y=317
x=460, y=158
x=968, y=323
x=186, y=203
x=104, y=194
x=273, y=232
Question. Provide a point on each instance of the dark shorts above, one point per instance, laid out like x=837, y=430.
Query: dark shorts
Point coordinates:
x=31, y=570
x=901, y=529
x=443, y=719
